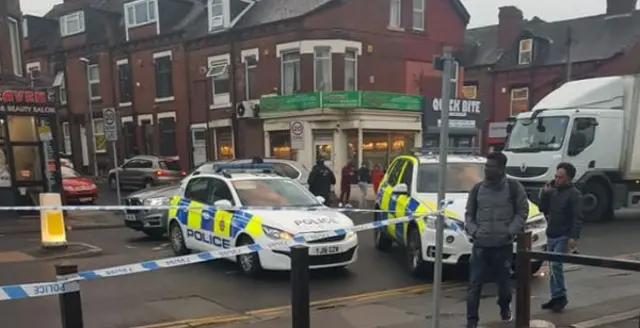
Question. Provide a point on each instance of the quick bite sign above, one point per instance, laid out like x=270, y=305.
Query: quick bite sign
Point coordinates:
x=27, y=101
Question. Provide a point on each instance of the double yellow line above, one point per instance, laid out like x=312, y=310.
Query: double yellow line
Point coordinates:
x=275, y=311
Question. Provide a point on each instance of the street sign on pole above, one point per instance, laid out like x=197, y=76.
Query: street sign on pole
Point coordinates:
x=110, y=122
x=297, y=135
x=448, y=65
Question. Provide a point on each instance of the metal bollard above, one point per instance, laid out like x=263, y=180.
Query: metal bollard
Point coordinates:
x=300, y=301
x=523, y=281
x=71, y=302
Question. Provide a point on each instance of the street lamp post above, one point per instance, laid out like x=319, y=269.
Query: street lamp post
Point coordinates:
x=92, y=137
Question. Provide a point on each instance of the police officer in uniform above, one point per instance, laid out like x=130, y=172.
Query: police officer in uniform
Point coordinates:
x=320, y=180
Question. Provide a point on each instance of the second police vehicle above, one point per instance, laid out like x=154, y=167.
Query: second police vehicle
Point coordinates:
x=410, y=185
x=202, y=228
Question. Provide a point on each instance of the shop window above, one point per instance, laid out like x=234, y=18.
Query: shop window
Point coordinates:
x=280, y=144
x=224, y=143
x=290, y=72
x=167, y=128
x=164, y=76
x=519, y=100
x=22, y=128
x=5, y=176
x=66, y=134
x=324, y=151
x=27, y=163
x=322, y=71
x=351, y=70
x=99, y=140
x=379, y=148
x=94, y=81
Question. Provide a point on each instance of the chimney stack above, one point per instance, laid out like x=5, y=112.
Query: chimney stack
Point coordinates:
x=510, y=22
x=620, y=7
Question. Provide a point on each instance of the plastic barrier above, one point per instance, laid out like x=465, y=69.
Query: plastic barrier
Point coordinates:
x=68, y=283
x=53, y=232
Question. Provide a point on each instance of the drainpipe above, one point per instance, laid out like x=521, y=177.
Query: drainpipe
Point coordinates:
x=115, y=100
x=134, y=112
x=186, y=66
x=234, y=97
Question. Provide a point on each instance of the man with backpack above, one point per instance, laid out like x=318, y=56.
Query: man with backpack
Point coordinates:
x=496, y=211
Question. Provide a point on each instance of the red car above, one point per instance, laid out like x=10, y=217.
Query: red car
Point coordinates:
x=78, y=189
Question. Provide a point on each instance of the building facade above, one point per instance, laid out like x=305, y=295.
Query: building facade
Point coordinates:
x=178, y=71
x=512, y=65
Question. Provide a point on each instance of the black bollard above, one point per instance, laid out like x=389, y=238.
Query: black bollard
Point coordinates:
x=300, y=302
x=523, y=280
x=71, y=302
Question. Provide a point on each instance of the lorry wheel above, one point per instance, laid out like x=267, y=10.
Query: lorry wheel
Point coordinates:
x=595, y=202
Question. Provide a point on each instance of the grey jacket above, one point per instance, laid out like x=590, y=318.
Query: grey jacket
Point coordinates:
x=492, y=219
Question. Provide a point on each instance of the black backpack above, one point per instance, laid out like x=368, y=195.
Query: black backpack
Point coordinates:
x=513, y=194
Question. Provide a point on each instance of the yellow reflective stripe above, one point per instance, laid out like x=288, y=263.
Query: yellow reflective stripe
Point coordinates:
x=533, y=210
x=173, y=211
x=222, y=223
x=254, y=227
x=194, y=216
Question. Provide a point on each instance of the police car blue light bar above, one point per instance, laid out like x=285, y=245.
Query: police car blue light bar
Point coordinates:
x=243, y=167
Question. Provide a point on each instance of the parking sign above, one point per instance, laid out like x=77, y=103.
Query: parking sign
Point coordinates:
x=110, y=124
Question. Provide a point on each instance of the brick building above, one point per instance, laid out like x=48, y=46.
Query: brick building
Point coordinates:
x=178, y=70
x=512, y=65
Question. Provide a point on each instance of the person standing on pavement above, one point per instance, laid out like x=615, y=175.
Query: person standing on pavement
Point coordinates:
x=496, y=211
x=346, y=177
x=561, y=204
x=364, y=178
x=376, y=178
x=320, y=180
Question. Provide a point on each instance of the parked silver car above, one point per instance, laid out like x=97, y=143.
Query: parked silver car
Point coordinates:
x=144, y=171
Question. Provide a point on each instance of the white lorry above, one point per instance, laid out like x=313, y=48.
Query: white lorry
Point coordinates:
x=592, y=124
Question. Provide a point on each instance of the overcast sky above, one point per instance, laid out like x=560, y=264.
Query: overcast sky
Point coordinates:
x=483, y=12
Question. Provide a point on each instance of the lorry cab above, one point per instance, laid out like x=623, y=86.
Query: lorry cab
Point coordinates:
x=588, y=124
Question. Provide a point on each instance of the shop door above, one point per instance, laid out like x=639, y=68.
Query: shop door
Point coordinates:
x=323, y=145
x=199, y=146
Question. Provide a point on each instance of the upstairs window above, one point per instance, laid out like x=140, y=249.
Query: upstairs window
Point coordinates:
x=124, y=81
x=470, y=91
x=251, y=77
x=25, y=28
x=219, y=74
x=216, y=14
x=418, y=15
x=14, y=40
x=94, y=81
x=141, y=12
x=525, y=54
x=322, y=59
x=72, y=24
x=395, y=13
x=290, y=72
x=164, y=76
x=351, y=70
x=519, y=100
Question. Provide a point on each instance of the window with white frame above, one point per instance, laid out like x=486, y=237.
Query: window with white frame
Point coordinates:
x=216, y=14
x=519, y=100
x=99, y=141
x=72, y=23
x=141, y=12
x=525, y=54
x=25, y=28
x=290, y=72
x=395, y=13
x=219, y=73
x=351, y=70
x=251, y=77
x=418, y=15
x=94, y=81
x=455, y=73
x=59, y=82
x=66, y=133
x=14, y=41
x=164, y=76
x=322, y=68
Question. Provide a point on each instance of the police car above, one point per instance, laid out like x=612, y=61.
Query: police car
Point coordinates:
x=411, y=186
x=202, y=228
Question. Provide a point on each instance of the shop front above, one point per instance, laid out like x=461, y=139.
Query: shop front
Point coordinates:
x=465, y=119
x=496, y=136
x=29, y=154
x=341, y=127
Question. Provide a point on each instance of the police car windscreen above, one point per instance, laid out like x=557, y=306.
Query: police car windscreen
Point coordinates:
x=273, y=192
x=461, y=177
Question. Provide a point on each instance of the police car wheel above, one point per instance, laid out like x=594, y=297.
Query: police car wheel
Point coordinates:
x=417, y=266
x=381, y=240
x=177, y=240
x=248, y=264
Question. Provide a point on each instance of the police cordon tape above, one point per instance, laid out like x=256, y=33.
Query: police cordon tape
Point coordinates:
x=66, y=284
x=189, y=207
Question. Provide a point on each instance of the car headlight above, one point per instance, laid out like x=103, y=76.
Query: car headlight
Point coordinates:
x=157, y=201
x=350, y=234
x=538, y=222
x=449, y=224
x=274, y=233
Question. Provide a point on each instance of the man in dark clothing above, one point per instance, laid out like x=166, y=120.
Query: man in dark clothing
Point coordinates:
x=364, y=178
x=561, y=204
x=496, y=211
x=346, y=178
x=257, y=160
x=320, y=180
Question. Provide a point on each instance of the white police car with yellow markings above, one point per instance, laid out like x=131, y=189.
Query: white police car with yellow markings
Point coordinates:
x=194, y=227
x=410, y=185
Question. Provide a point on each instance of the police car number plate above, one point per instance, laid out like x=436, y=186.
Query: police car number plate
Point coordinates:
x=130, y=217
x=86, y=199
x=328, y=250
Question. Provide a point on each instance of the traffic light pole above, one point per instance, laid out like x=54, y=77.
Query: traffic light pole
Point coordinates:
x=447, y=60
